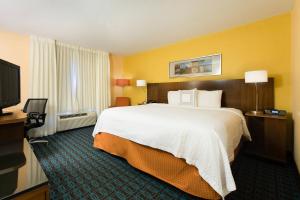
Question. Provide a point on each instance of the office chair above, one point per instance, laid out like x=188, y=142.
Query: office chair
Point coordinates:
x=35, y=109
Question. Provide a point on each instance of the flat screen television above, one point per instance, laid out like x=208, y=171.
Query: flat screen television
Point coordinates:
x=9, y=85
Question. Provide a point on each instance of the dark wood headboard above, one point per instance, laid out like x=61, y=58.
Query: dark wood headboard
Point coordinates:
x=236, y=93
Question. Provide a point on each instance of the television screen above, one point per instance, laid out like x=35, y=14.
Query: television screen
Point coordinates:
x=9, y=84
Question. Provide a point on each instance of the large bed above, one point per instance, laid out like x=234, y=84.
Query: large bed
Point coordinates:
x=190, y=148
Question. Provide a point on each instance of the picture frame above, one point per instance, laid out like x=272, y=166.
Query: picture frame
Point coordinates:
x=201, y=66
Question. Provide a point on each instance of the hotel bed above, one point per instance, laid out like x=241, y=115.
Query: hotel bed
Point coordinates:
x=188, y=147
x=204, y=138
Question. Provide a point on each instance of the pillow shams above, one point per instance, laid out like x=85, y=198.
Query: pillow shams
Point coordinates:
x=188, y=97
x=174, y=97
x=183, y=97
x=209, y=99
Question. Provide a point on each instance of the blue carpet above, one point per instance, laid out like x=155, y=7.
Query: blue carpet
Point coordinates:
x=78, y=171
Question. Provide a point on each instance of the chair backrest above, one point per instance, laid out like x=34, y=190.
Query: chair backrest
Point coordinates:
x=35, y=105
x=122, y=101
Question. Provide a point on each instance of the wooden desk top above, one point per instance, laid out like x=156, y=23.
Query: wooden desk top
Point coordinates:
x=16, y=117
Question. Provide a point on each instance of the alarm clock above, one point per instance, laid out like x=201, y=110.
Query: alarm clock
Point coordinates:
x=275, y=112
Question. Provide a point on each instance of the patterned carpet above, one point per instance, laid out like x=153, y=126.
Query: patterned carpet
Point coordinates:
x=78, y=171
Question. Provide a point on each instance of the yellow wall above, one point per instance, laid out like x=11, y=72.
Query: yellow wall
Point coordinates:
x=14, y=48
x=264, y=44
x=296, y=80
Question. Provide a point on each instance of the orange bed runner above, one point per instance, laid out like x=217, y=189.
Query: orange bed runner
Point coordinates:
x=157, y=163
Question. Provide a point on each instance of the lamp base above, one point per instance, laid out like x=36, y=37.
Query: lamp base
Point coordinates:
x=258, y=112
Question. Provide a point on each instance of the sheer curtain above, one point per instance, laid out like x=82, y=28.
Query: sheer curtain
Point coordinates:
x=103, y=92
x=43, y=81
x=74, y=79
x=83, y=79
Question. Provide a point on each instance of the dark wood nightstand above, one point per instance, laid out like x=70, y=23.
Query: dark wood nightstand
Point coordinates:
x=271, y=136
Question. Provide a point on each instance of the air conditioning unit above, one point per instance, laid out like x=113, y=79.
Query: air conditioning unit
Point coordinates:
x=77, y=120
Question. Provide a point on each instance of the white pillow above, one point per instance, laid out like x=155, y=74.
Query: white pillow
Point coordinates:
x=174, y=97
x=188, y=97
x=209, y=99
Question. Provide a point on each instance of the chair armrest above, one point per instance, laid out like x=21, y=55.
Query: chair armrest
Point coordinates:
x=33, y=115
x=37, y=117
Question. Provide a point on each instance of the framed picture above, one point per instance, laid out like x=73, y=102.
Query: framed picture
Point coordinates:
x=203, y=66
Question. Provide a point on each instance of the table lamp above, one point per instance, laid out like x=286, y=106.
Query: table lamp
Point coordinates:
x=122, y=82
x=260, y=76
x=142, y=83
x=122, y=101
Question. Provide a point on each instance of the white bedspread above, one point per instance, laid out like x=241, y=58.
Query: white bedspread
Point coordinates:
x=205, y=138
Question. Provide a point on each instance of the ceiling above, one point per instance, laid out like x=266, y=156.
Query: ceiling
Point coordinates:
x=129, y=26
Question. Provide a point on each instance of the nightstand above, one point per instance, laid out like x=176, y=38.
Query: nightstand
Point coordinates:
x=271, y=136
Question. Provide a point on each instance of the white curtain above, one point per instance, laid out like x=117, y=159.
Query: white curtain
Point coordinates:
x=103, y=82
x=74, y=79
x=83, y=79
x=43, y=81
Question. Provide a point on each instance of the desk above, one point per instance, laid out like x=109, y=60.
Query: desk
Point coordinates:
x=22, y=176
x=16, y=117
x=12, y=132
